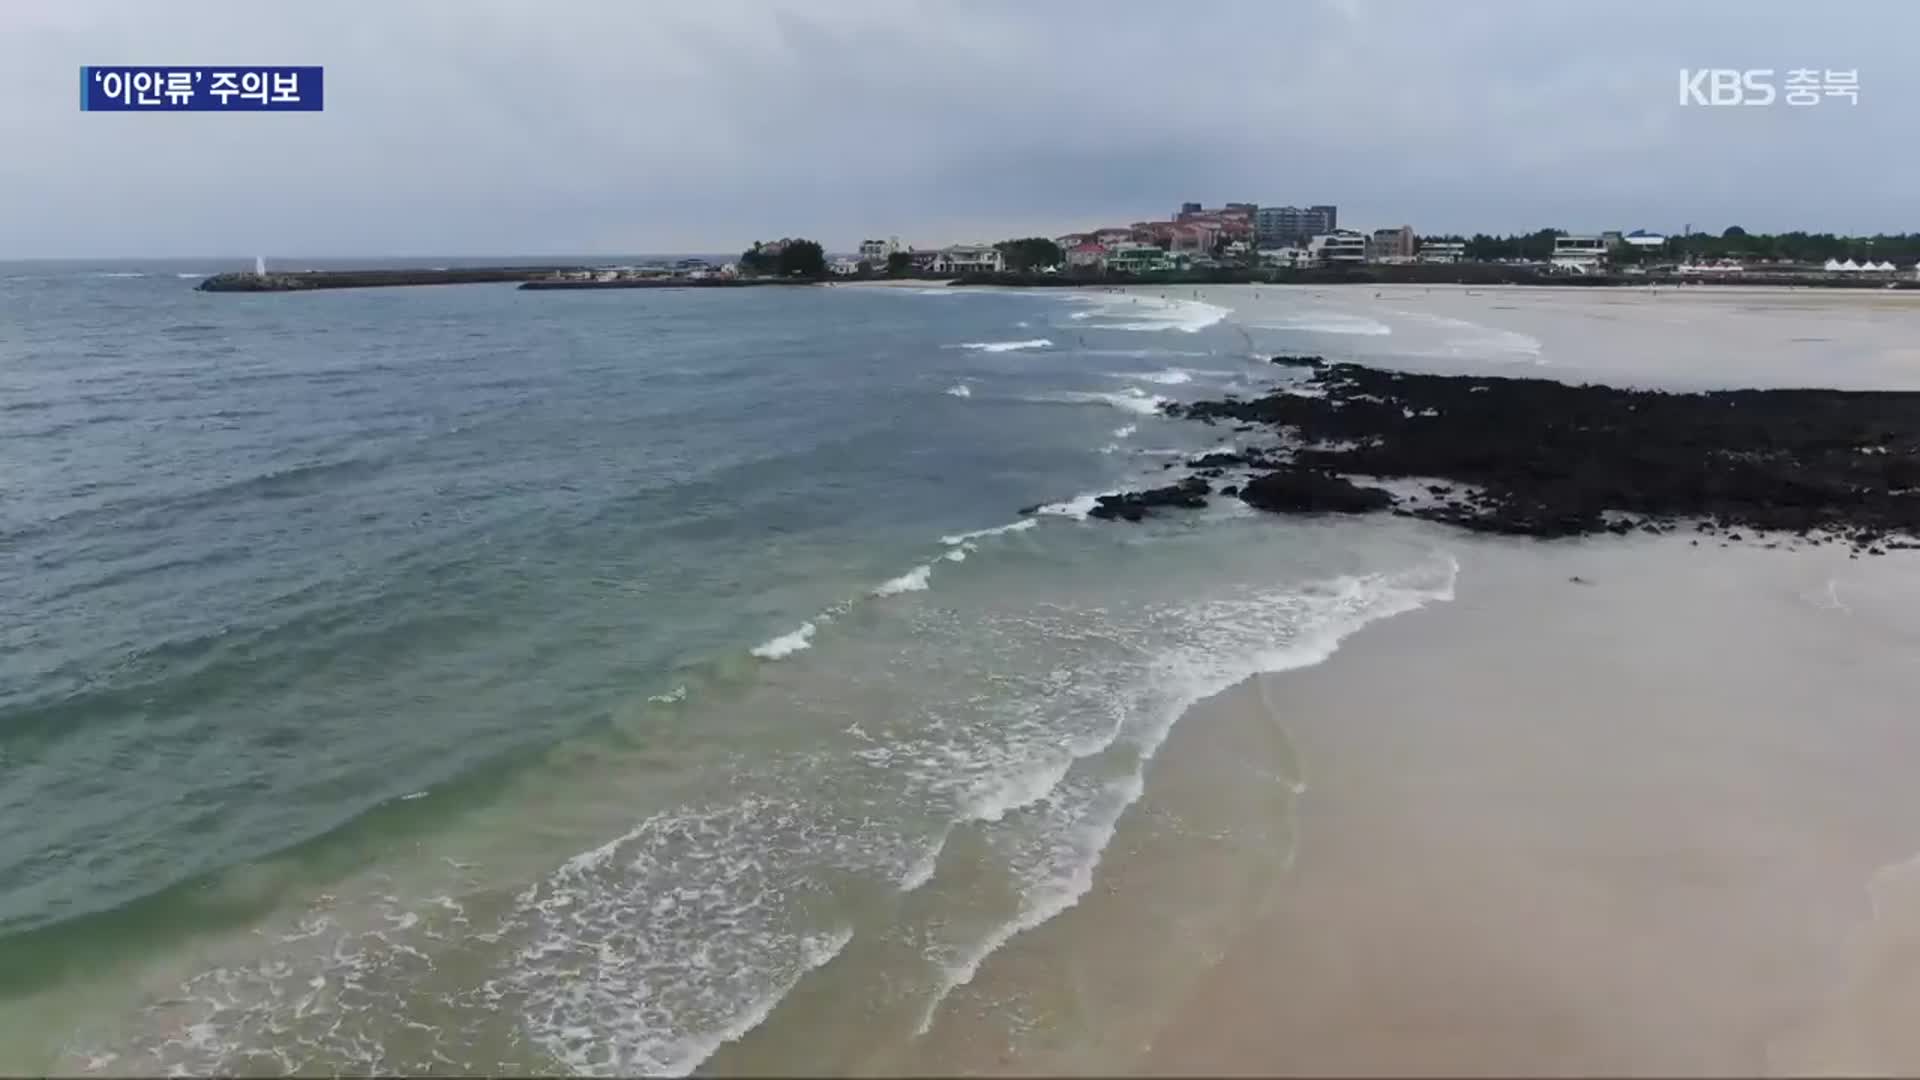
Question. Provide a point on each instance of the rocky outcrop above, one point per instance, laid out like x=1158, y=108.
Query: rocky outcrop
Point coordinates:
x=1534, y=457
x=1137, y=505
x=1295, y=490
x=1550, y=459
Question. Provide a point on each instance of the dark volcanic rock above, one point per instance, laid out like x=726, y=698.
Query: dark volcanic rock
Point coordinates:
x=1300, y=361
x=1305, y=491
x=1136, y=505
x=1551, y=459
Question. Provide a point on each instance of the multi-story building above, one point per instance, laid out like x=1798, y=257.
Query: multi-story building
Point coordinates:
x=969, y=259
x=1135, y=258
x=1086, y=255
x=1441, y=251
x=1194, y=237
x=877, y=251
x=1341, y=247
x=1579, y=254
x=1391, y=245
x=1284, y=226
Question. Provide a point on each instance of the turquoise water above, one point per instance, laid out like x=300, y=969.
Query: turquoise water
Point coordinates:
x=467, y=678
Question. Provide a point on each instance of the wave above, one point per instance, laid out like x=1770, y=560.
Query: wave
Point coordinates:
x=786, y=644
x=914, y=580
x=1222, y=642
x=1168, y=377
x=677, y=694
x=959, y=390
x=1130, y=400
x=116, y=274
x=1125, y=430
x=189, y=275
x=1148, y=313
x=998, y=530
x=620, y=971
x=1077, y=507
x=1008, y=346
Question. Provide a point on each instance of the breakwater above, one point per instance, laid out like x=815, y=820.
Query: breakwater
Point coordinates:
x=302, y=280
x=658, y=283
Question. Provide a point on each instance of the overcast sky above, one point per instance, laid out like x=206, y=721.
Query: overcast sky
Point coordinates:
x=508, y=126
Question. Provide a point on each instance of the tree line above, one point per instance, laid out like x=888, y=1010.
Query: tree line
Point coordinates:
x=1733, y=243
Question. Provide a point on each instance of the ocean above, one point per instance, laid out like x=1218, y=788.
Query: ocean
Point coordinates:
x=465, y=679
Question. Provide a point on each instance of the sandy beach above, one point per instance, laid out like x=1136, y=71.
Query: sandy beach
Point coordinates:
x=1622, y=807
x=1655, y=822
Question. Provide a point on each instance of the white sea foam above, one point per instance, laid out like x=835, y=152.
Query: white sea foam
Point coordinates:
x=914, y=580
x=117, y=274
x=1125, y=430
x=960, y=390
x=998, y=530
x=786, y=644
x=1135, y=311
x=677, y=694
x=1077, y=507
x=622, y=968
x=193, y=274
x=1168, y=377
x=1132, y=399
x=996, y=796
x=923, y=868
x=1212, y=645
x=1007, y=346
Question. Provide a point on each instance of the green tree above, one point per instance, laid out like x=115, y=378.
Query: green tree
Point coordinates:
x=1030, y=253
x=803, y=259
x=899, y=264
x=756, y=260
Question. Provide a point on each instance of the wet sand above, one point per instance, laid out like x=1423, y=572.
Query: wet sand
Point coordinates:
x=1655, y=821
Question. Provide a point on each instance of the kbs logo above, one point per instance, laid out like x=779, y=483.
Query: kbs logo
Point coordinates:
x=1755, y=86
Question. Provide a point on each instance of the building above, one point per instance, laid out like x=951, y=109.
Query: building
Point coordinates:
x=844, y=267
x=1112, y=235
x=1341, y=247
x=922, y=261
x=1289, y=258
x=1287, y=226
x=1441, y=251
x=1641, y=238
x=1234, y=221
x=1132, y=257
x=1193, y=237
x=1391, y=245
x=1087, y=255
x=1151, y=232
x=877, y=251
x=1580, y=254
x=969, y=259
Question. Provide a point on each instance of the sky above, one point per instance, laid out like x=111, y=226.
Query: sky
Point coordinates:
x=510, y=127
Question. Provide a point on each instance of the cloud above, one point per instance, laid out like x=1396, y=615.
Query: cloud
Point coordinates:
x=488, y=127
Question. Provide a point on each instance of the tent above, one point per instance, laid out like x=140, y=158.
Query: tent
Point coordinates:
x=1850, y=266
x=1834, y=265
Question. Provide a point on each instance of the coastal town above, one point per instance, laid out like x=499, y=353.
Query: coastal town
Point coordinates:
x=1274, y=242
x=1234, y=242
